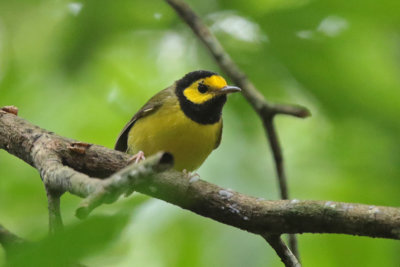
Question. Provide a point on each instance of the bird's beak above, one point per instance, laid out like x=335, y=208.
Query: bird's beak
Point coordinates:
x=227, y=90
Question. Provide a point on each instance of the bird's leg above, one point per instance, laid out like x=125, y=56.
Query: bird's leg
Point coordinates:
x=191, y=175
x=138, y=157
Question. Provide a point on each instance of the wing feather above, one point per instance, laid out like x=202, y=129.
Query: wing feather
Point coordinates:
x=152, y=105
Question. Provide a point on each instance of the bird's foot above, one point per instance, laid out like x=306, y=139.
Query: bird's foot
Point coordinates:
x=138, y=157
x=192, y=176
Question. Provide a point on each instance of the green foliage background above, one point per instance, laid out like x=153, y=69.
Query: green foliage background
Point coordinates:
x=81, y=69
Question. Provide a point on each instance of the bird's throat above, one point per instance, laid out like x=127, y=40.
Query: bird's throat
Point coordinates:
x=208, y=112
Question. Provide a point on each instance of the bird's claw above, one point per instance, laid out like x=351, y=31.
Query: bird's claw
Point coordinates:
x=190, y=175
x=138, y=157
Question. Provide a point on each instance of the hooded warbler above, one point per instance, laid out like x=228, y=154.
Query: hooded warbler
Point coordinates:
x=183, y=119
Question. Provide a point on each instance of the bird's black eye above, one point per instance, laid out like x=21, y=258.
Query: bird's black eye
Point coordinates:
x=202, y=88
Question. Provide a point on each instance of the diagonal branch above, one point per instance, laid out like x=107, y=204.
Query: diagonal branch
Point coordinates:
x=255, y=98
x=286, y=255
x=264, y=108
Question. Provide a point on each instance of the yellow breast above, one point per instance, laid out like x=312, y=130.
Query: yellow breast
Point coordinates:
x=169, y=129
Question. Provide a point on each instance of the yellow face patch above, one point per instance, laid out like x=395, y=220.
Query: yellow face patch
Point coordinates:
x=214, y=84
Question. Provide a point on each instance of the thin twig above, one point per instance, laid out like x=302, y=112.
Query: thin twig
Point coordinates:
x=55, y=220
x=266, y=110
x=9, y=240
x=277, y=153
x=282, y=250
x=280, y=170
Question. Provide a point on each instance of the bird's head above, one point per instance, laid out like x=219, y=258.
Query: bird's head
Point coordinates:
x=202, y=95
x=201, y=86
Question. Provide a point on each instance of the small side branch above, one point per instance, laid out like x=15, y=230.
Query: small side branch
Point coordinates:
x=107, y=191
x=282, y=250
x=55, y=220
x=8, y=239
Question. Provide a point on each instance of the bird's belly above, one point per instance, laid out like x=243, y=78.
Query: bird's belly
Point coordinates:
x=168, y=129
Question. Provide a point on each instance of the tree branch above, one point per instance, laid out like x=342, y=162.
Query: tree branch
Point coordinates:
x=264, y=108
x=107, y=191
x=286, y=255
x=254, y=215
x=256, y=99
x=55, y=220
x=8, y=239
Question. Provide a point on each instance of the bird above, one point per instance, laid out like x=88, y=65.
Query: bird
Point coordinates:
x=184, y=119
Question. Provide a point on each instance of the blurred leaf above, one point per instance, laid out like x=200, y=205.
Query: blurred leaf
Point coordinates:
x=100, y=21
x=71, y=245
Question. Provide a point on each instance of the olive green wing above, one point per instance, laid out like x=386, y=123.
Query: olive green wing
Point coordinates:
x=219, y=135
x=151, y=106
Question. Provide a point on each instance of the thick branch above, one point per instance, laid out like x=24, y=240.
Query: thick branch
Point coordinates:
x=245, y=212
x=18, y=137
x=263, y=216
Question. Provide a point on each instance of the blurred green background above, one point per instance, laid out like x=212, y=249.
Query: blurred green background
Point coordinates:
x=81, y=69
